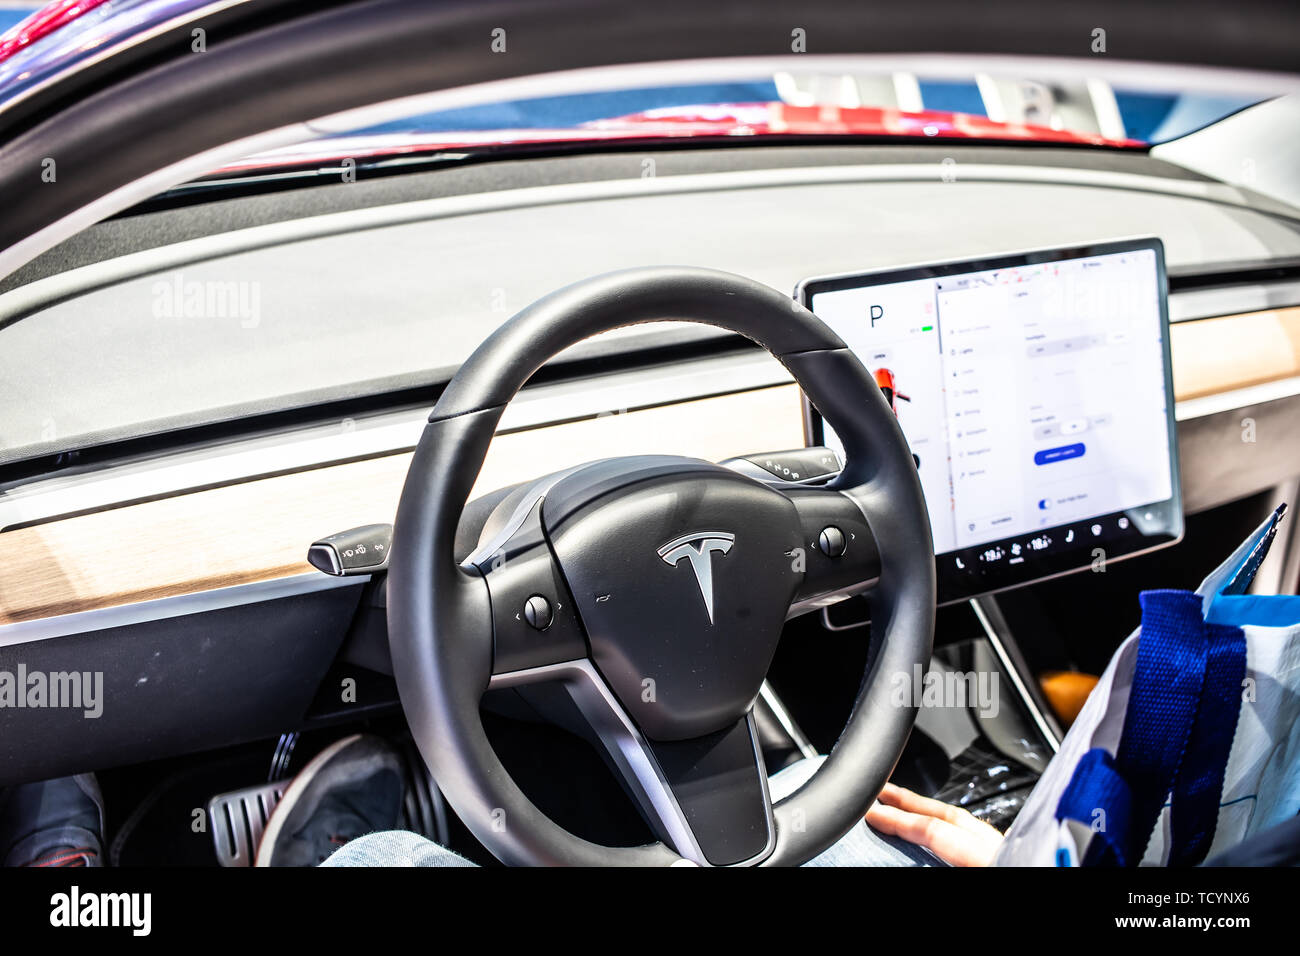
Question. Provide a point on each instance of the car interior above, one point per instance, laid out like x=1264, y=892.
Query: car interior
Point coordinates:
x=615, y=409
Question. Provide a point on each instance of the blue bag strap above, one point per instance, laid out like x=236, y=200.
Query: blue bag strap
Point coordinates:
x=1168, y=681
x=1098, y=796
x=1199, y=786
x=1168, y=684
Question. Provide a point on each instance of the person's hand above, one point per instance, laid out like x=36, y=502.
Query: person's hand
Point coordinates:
x=949, y=832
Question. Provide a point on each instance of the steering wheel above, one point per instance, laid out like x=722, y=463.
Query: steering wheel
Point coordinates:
x=652, y=591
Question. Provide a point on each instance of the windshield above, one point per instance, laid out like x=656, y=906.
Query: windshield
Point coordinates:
x=867, y=102
x=215, y=312
x=864, y=106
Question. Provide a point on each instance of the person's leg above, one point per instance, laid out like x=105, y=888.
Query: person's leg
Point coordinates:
x=351, y=788
x=342, y=809
x=861, y=846
x=394, y=848
x=56, y=822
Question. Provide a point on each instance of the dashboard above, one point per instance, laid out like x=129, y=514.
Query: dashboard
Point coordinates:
x=178, y=567
x=1036, y=393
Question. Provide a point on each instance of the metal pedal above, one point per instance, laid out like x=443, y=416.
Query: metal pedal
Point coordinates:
x=237, y=820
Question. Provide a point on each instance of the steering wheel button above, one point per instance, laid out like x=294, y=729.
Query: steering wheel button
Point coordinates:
x=537, y=612
x=831, y=542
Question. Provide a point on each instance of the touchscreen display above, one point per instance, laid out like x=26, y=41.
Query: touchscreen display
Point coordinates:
x=1035, y=393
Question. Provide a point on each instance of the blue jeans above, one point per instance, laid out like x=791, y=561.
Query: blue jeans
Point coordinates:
x=861, y=846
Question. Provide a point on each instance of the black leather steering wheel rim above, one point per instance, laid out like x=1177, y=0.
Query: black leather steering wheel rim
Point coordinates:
x=440, y=625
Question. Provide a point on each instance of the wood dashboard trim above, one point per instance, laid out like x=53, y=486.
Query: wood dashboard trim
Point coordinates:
x=260, y=530
x=1234, y=351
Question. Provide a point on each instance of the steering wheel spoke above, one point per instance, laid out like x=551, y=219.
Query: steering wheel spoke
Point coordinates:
x=534, y=620
x=705, y=797
x=838, y=552
x=719, y=783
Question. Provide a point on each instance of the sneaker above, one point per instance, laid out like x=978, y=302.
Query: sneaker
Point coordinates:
x=56, y=822
x=351, y=788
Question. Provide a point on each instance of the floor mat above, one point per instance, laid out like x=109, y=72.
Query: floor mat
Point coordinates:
x=168, y=826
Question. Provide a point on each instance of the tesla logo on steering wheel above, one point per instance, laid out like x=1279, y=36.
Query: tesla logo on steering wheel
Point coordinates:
x=698, y=549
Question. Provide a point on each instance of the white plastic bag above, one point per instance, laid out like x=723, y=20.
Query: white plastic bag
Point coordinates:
x=1261, y=777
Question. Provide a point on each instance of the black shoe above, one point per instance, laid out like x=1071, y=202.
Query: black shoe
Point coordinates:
x=351, y=788
x=56, y=822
